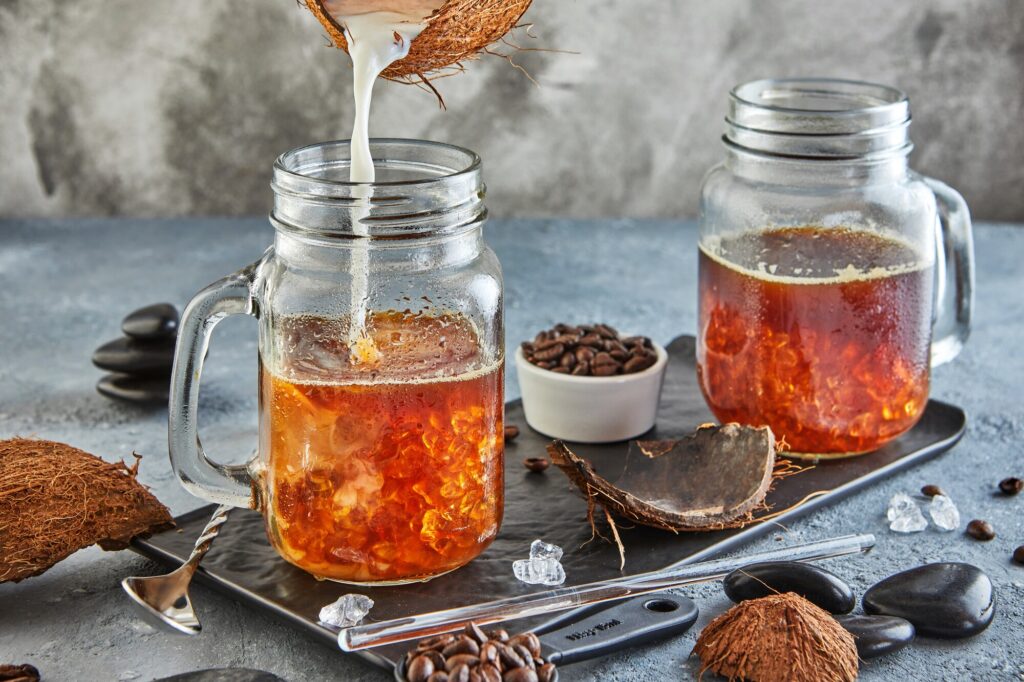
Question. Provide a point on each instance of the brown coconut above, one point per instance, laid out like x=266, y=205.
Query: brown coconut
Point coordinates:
x=779, y=637
x=56, y=499
x=455, y=33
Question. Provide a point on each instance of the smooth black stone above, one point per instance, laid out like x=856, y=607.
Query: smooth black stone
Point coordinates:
x=135, y=389
x=157, y=321
x=878, y=635
x=948, y=600
x=773, y=577
x=129, y=356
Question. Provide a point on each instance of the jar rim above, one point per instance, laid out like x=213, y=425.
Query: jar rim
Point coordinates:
x=818, y=118
x=874, y=97
x=287, y=163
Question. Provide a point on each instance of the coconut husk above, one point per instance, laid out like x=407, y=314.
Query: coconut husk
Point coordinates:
x=455, y=33
x=779, y=637
x=712, y=479
x=56, y=499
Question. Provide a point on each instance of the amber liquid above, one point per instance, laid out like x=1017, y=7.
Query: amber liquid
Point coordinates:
x=381, y=475
x=823, y=334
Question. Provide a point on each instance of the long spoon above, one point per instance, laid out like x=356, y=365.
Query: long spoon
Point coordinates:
x=162, y=600
x=541, y=603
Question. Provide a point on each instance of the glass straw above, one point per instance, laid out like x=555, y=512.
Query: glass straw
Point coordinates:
x=545, y=603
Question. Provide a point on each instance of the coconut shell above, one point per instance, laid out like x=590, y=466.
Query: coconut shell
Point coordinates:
x=712, y=479
x=455, y=33
x=780, y=637
x=56, y=499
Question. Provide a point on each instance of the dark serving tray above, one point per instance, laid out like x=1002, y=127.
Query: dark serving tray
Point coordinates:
x=243, y=565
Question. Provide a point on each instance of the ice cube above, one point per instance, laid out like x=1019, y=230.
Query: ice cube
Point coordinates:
x=347, y=611
x=904, y=515
x=542, y=550
x=944, y=513
x=539, y=571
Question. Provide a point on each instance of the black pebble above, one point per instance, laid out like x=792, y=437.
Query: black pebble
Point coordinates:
x=947, y=600
x=135, y=389
x=814, y=584
x=157, y=321
x=878, y=635
x=129, y=356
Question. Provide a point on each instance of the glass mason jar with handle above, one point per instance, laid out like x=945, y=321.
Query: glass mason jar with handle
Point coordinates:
x=831, y=276
x=381, y=352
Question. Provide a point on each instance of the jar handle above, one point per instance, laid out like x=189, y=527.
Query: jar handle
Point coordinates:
x=954, y=286
x=201, y=476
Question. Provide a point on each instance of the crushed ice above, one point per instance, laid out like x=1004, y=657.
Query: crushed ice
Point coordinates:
x=904, y=515
x=544, y=566
x=347, y=611
x=944, y=513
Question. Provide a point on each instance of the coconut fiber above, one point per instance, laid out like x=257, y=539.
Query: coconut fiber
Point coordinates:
x=56, y=499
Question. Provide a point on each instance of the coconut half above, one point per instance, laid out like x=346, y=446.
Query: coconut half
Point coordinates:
x=712, y=479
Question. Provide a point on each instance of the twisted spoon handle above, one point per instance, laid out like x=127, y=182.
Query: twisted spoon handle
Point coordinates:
x=205, y=539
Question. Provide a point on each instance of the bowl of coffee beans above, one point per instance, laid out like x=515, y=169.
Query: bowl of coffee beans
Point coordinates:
x=589, y=384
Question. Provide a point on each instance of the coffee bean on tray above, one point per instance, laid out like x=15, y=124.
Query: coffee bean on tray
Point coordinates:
x=589, y=350
x=1018, y=555
x=536, y=464
x=981, y=530
x=511, y=432
x=931, y=490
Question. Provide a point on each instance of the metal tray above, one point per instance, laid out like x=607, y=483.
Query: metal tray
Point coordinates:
x=243, y=565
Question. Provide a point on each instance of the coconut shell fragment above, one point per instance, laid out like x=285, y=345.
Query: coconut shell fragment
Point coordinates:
x=712, y=479
x=455, y=33
x=56, y=499
x=780, y=637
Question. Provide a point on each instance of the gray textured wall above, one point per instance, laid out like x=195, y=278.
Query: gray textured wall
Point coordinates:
x=167, y=107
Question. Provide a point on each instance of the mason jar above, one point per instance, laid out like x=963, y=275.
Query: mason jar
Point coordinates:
x=832, y=277
x=381, y=353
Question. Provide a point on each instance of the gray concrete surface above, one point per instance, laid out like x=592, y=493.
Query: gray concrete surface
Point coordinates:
x=163, y=108
x=64, y=285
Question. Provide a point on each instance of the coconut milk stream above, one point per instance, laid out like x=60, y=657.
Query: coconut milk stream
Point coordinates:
x=376, y=39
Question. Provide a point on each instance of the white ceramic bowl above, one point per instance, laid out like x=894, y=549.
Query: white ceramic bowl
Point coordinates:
x=586, y=409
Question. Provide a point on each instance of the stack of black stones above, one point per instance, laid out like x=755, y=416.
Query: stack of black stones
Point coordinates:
x=140, y=361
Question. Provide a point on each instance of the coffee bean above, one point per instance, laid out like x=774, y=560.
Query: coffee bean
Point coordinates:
x=419, y=669
x=536, y=464
x=511, y=432
x=500, y=634
x=561, y=370
x=459, y=673
x=931, y=490
x=606, y=331
x=547, y=673
x=438, y=676
x=568, y=360
x=585, y=354
x=638, y=364
x=489, y=672
x=463, y=645
x=582, y=369
x=467, y=660
x=549, y=353
x=524, y=654
x=528, y=640
x=439, y=642
x=436, y=657
x=545, y=365
x=980, y=530
x=592, y=341
x=520, y=675
x=509, y=658
x=1011, y=486
x=1018, y=555
x=620, y=355
x=527, y=347
x=488, y=652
